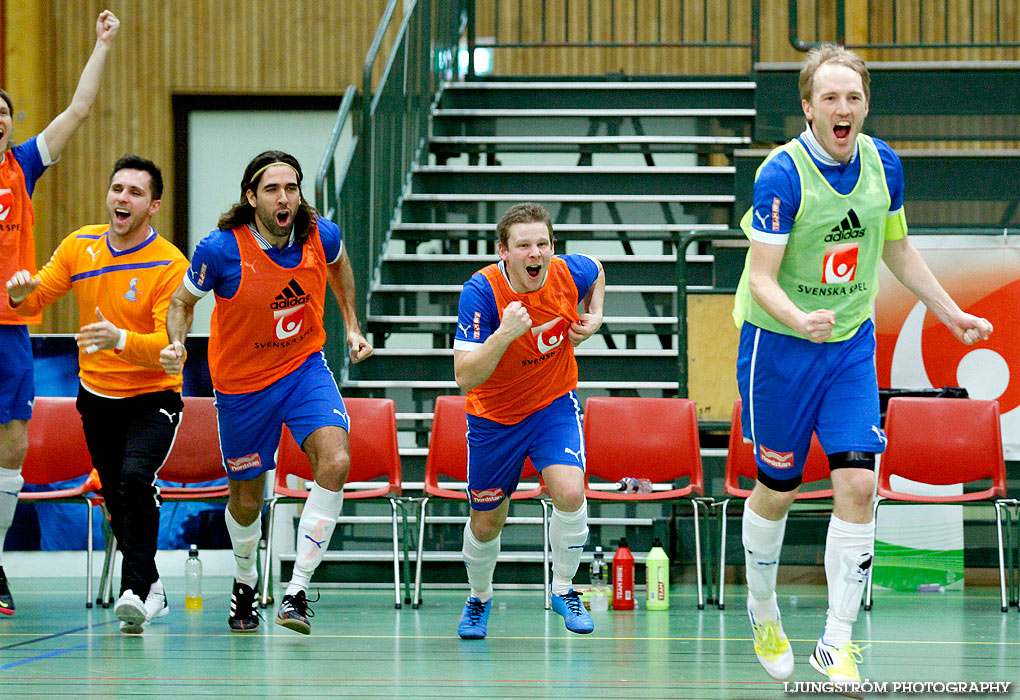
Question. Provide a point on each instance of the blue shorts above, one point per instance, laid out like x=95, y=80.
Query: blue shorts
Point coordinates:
x=17, y=374
x=250, y=424
x=496, y=452
x=791, y=387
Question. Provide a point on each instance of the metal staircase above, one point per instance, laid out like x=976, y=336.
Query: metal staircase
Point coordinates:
x=625, y=168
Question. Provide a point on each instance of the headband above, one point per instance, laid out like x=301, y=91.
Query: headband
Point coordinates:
x=261, y=170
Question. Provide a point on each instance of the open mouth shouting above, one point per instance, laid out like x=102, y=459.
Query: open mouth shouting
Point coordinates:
x=120, y=214
x=533, y=271
x=841, y=130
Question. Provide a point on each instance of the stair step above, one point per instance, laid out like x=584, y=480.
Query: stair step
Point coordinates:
x=609, y=180
x=455, y=268
x=588, y=86
x=456, y=288
x=452, y=387
x=585, y=113
x=566, y=197
x=616, y=365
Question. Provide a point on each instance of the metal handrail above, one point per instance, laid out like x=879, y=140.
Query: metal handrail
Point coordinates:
x=328, y=164
x=641, y=24
x=923, y=9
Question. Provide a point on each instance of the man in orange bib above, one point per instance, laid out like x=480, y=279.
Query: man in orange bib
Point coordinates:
x=514, y=356
x=268, y=265
x=20, y=167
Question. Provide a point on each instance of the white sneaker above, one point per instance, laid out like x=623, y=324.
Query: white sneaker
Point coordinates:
x=772, y=647
x=156, y=604
x=130, y=610
x=839, y=664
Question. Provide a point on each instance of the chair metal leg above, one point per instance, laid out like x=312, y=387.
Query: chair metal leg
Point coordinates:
x=545, y=551
x=871, y=575
x=405, y=532
x=106, y=585
x=396, y=558
x=722, y=553
x=267, y=568
x=88, y=557
x=1002, y=564
x=417, y=562
x=697, y=552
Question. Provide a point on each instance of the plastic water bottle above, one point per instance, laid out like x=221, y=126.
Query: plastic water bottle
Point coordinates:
x=629, y=484
x=623, y=577
x=599, y=600
x=193, y=580
x=657, y=576
x=930, y=588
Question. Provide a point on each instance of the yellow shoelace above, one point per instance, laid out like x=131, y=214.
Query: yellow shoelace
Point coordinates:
x=769, y=640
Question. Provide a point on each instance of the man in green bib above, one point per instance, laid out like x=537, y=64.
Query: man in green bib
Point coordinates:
x=827, y=206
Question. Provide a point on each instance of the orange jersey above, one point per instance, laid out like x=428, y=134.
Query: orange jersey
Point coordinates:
x=132, y=289
x=17, y=247
x=274, y=320
x=538, y=367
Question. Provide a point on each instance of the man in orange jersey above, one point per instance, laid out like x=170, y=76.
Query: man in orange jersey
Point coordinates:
x=122, y=274
x=268, y=265
x=20, y=167
x=514, y=356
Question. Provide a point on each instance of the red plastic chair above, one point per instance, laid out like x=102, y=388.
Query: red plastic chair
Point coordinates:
x=740, y=463
x=945, y=441
x=57, y=452
x=654, y=439
x=374, y=473
x=447, y=462
x=194, y=458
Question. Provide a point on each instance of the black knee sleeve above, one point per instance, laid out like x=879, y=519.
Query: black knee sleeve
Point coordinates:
x=784, y=485
x=853, y=459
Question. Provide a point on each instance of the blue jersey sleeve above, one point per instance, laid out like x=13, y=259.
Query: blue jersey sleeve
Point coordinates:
x=31, y=162
x=776, y=196
x=215, y=265
x=332, y=241
x=584, y=270
x=477, y=315
x=893, y=173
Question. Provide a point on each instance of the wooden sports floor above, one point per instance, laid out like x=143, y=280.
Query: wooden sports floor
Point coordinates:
x=360, y=647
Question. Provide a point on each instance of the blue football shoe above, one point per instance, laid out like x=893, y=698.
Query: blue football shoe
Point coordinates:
x=575, y=617
x=474, y=619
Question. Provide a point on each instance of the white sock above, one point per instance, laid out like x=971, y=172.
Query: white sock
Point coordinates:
x=849, y=551
x=763, y=540
x=480, y=561
x=567, y=534
x=11, y=482
x=244, y=539
x=318, y=520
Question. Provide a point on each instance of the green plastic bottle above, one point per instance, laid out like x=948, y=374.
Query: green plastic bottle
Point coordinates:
x=657, y=576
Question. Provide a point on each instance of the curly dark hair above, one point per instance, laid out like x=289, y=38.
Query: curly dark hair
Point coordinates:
x=243, y=213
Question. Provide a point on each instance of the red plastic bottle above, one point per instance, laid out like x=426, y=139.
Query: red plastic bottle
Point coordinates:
x=623, y=577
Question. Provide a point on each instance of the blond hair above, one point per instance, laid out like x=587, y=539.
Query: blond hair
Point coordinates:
x=831, y=53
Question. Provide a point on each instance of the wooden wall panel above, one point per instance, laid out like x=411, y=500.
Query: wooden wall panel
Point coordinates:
x=316, y=47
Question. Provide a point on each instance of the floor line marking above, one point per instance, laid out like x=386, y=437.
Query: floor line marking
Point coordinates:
x=47, y=655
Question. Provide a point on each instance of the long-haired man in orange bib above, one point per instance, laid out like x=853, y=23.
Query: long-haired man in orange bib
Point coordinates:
x=268, y=264
x=514, y=356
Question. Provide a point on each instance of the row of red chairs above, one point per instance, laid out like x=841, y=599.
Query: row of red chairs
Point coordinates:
x=930, y=441
x=655, y=439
